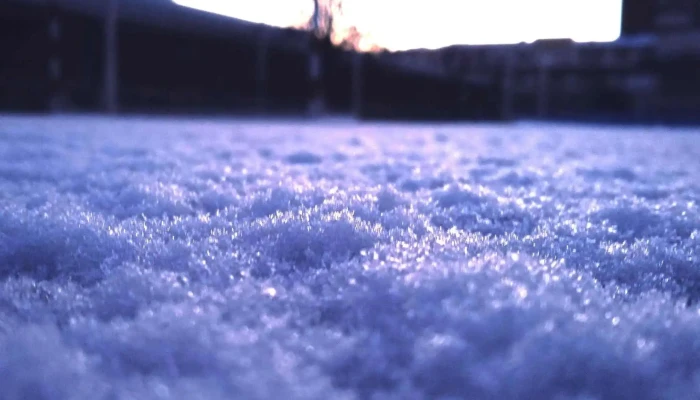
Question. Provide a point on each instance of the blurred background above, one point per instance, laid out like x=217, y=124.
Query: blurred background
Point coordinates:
x=586, y=60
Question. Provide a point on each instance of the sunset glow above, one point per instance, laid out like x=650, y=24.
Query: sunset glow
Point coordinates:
x=400, y=24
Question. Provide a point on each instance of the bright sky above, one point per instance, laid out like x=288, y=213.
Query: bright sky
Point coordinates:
x=405, y=24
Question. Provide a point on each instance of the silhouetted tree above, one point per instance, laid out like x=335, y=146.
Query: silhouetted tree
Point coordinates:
x=322, y=20
x=329, y=24
x=331, y=28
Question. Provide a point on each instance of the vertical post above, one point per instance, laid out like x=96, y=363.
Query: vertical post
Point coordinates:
x=638, y=104
x=507, y=101
x=543, y=89
x=643, y=89
x=316, y=64
x=261, y=71
x=357, y=83
x=55, y=64
x=111, y=57
x=316, y=78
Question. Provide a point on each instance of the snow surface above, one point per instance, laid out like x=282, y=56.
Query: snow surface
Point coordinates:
x=202, y=259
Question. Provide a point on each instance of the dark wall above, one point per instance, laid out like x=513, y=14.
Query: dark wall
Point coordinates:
x=401, y=94
x=82, y=62
x=595, y=95
x=176, y=70
x=26, y=80
x=638, y=16
x=24, y=55
x=161, y=69
x=287, y=87
x=338, y=80
x=680, y=91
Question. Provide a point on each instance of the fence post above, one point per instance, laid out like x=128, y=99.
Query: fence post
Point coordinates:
x=111, y=57
x=316, y=103
x=357, y=83
x=56, y=98
x=543, y=88
x=507, y=100
x=261, y=70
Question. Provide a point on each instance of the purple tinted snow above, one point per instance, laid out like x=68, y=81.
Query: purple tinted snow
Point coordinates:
x=183, y=259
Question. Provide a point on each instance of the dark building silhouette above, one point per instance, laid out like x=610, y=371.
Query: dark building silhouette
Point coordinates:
x=167, y=58
x=57, y=55
x=154, y=56
x=638, y=16
x=660, y=16
x=648, y=75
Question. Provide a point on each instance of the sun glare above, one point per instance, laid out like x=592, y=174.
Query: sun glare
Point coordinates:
x=400, y=24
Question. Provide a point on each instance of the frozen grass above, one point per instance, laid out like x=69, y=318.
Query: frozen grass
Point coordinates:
x=221, y=260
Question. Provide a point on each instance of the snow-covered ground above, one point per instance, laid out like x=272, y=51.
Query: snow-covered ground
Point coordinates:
x=201, y=259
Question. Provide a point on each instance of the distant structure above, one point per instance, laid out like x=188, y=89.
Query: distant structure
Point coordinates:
x=155, y=56
x=648, y=75
x=661, y=17
x=146, y=56
x=638, y=17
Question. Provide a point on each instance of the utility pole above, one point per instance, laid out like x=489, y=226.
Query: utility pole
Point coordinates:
x=111, y=57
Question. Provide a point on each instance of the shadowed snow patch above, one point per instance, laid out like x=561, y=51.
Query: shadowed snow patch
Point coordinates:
x=61, y=246
x=304, y=157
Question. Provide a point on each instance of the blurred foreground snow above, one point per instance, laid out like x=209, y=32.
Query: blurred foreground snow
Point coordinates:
x=197, y=259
